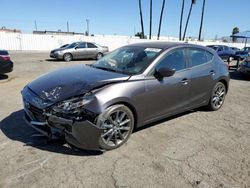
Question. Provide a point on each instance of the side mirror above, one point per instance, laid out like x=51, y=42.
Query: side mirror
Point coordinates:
x=164, y=72
x=76, y=47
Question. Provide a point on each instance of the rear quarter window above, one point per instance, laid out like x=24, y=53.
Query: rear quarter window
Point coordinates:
x=210, y=56
x=199, y=56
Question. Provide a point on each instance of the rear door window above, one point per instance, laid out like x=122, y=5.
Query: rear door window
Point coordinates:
x=198, y=57
x=81, y=45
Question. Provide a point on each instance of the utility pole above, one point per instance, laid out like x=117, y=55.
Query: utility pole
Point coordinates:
x=87, y=21
x=150, y=27
x=35, y=25
x=67, y=26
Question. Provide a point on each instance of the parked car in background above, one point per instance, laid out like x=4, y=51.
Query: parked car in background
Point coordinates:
x=6, y=65
x=225, y=52
x=79, y=50
x=235, y=49
x=97, y=106
x=243, y=53
x=244, y=67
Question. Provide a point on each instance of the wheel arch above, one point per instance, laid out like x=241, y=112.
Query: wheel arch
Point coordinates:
x=131, y=107
x=68, y=53
x=222, y=80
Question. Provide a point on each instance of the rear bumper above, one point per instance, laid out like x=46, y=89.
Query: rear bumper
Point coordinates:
x=6, y=67
x=82, y=134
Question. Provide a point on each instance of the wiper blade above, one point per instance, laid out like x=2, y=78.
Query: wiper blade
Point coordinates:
x=104, y=68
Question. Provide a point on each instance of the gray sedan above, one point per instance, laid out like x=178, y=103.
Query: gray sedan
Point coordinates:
x=98, y=106
x=79, y=50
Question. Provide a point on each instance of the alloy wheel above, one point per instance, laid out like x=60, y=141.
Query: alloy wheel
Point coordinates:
x=117, y=127
x=218, y=96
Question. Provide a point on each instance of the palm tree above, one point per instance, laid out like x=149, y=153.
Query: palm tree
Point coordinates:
x=150, y=21
x=182, y=10
x=190, y=10
x=235, y=31
x=202, y=15
x=162, y=10
x=142, y=26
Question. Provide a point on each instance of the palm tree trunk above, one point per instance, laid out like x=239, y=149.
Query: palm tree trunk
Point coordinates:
x=162, y=11
x=142, y=25
x=202, y=15
x=182, y=10
x=190, y=10
x=150, y=27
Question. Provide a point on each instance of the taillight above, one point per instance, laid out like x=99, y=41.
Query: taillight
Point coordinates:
x=5, y=58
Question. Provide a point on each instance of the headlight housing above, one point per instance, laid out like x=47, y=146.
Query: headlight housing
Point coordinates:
x=73, y=105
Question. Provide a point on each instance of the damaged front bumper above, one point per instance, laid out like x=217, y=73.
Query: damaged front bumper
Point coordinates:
x=82, y=134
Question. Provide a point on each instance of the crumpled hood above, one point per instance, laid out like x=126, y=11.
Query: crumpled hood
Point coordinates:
x=72, y=81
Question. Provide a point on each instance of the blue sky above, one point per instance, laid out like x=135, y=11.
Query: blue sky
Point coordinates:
x=121, y=17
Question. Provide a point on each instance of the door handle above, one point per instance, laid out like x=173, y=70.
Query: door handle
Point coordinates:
x=184, y=81
x=212, y=72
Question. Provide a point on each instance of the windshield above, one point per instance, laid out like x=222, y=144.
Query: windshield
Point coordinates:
x=65, y=45
x=72, y=45
x=246, y=49
x=128, y=60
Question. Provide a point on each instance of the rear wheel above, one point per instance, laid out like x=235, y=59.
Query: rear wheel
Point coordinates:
x=99, y=56
x=118, y=123
x=217, y=97
x=67, y=57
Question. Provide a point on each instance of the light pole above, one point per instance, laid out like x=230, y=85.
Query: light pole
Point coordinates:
x=87, y=21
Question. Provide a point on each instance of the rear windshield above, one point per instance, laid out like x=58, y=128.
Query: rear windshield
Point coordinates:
x=3, y=52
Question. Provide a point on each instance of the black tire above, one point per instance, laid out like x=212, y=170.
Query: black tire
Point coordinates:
x=115, y=134
x=99, y=56
x=217, y=97
x=67, y=57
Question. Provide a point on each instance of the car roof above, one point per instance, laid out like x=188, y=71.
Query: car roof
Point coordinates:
x=164, y=45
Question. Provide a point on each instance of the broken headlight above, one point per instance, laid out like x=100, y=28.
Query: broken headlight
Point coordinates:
x=73, y=105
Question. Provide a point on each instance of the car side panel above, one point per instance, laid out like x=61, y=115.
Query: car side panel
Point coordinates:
x=202, y=82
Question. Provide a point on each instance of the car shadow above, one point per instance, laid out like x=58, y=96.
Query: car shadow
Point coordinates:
x=168, y=119
x=15, y=128
x=3, y=77
x=235, y=75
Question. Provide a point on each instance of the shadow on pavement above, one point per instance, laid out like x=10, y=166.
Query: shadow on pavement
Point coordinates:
x=3, y=77
x=168, y=119
x=235, y=75
x=15, y=128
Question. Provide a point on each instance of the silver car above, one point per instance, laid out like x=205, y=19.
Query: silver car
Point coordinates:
x=79, y=50
x=98, y=106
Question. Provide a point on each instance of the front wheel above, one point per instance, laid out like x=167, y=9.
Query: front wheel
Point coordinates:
x=217, y=97
x=67, y=57
x=118, y=123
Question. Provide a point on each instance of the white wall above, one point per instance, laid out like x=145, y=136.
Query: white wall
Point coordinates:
x=13, y=41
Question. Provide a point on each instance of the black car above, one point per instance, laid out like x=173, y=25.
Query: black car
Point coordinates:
x=244, y=67
x=6, y=65
x=242, y=54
